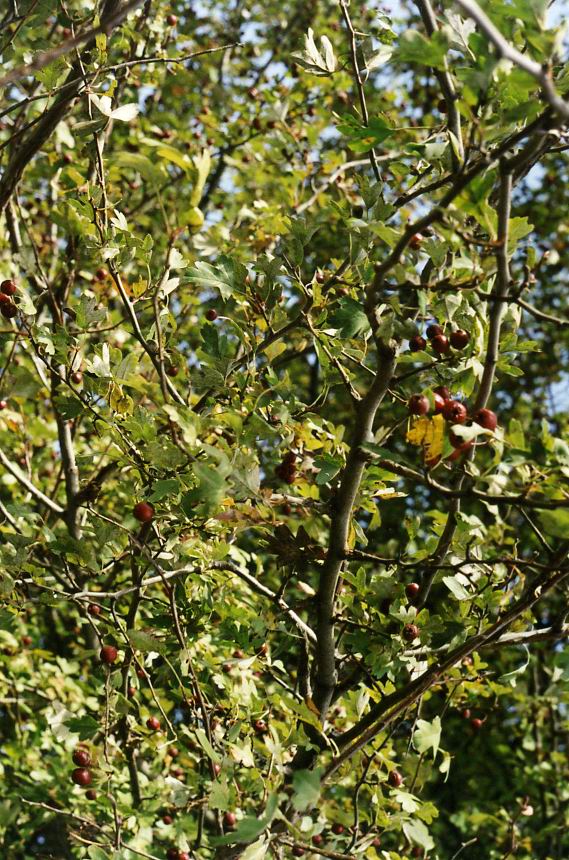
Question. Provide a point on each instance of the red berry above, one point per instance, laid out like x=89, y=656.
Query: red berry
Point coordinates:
x=3, y=404
x=173, y=752
x=143, y=512
x=153, y=723
x=476, y=724
x=260, y=726
x=457, y=441
x=172, y=20
x=211, y=315
x=172, y=370
x=443, y=392
x=417, y=343
x=183, y=855
x=412, y=590
x=337, y=828
x=91, y=794
x=108, y=654
x=4, y=299
x=216, y=768
x=131, y=692
x=418, y=404
x=177, y=772
x=317, y=839
x=8, y=310
x=167, y=819
x=77, y=377
x=486, y=418
x=416, y=241
x=8, y=288
x=459, y=338
x=94, y=609
x=81, y=757
x=81, y=776
x=395, y=779
x=230, y=819
x=455, y=412
x=173, y=854
x=440, y=344
x=27, y=640
x=410, y=632
x=297, y=851
x=466, y=714
x=376, y=842
x=101, y=274
x=238, y=654
x=460, y=451
x=439, y=403
x=140, y=673
x=433, y=330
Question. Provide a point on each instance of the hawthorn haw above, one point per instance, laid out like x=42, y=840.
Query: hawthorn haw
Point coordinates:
x=317, y=839
x=337, y=828
x=415, y=241
x=76, y=377
x=417, y=343
x=8, y=288
x=171, y=20
x=108, y=654
x=395, y=779
x=433, y=330
x=440, y=344
x=94, y=609
x=476, y=724
x=418, y=404
x=410, y=632
x=466, y=714
x=91, y=794
x=439, y=403
x=81, y=757
x=82, y=776
x=3, y=404
x=486, y=418
x=27, y=641
x=153, y=723
x=211, y=315
x=101, y=274
x=143, y=512
x=455, y=412
x=260, y=727
x=412, y=590
x=173, y=752
x=459, y=338
x=8, y=310
x=297, y=851
x=230, y=819
x=167, y=819
x=443, y=392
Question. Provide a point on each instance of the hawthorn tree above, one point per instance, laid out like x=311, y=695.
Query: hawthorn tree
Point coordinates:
x=284, y=457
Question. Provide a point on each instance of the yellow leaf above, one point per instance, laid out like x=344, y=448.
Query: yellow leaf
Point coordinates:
x=428, y=432
x=418, y=430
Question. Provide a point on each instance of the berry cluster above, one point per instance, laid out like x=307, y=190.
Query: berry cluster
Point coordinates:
x=82, y=775
x=7, y=307
x=286, y=471
x=440, y=343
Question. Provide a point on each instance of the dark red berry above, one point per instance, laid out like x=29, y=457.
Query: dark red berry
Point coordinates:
x=455, y=412
x=131, y=692
x=416, y=241
x=143, y=512
x=171, y=20
x=337, y=828
x=317, y=839
x=8, y=288
x=94, y=609
x=101, y=274
x=417, y=343
x=211, y=315
x=173, y=752
x=459, y=338
x=486, y=418
x=260, y=727
x=412, y=590
x=238, y=654
x=466, y=714
x=27, y=641
x=439, y=403
x=153, y=723
x=76, y=377
x=418, y=404
x=443, y=392
x=395, y=779
x=8, y=310
x=167, y=819
x=173, y=854
x=108, y=654
x=476, y=724
x=172, y=370
x=440, y=344
x=81, y=757
x=230, y=819
x=410, y=632
x=81, y=776
x=91, y=794
x=376, y=842
x=320, y=277
x=297, y=851
x=433, y=330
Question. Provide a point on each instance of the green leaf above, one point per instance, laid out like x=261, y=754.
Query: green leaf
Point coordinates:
x=362, y=138
x=555, y=523
x=328, y=467
x=349, y=319
x=206, y=746
x=415, y=48
x=416, y=832
x=227, y=276
x=456, y=587
x=145, y=642
x=427, y=736
x=85, y=727
x=306, y=784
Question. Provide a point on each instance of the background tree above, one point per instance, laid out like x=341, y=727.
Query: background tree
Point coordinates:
x=283, y=441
